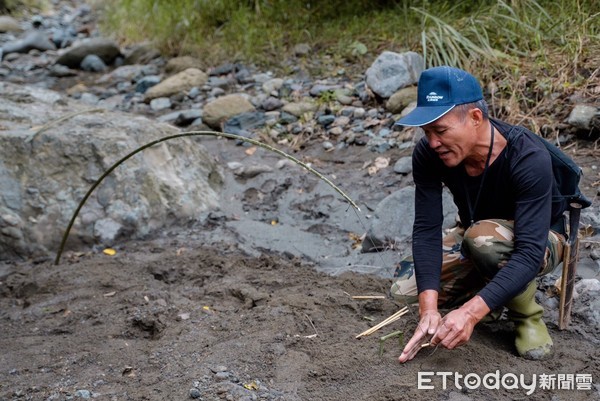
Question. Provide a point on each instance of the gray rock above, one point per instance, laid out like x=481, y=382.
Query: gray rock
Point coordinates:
x=403, y=165
x=146, y=83
x=287, y=118
x=85, y=394
x=61, y=71
x=194, y=92
x=123, y=73
x=272, y=85
x=318, y=89
x=34, y=40
x=186, y=117
x=262, y=78
x=63, y=37
x=359, y=113
x=581, y=116
x=392, y=71
x=222, y=376
x=252, y=171
x=271, y=103
x=223, y=69
x=160, y=103
x=162, y=186
x=89, y=98
x=216, y=92
x=393, y=219
x=326, y=120
x=107, y=230
x=240, y=124
x=106, y=49
x=92, y=63
x=195, y=393
x=218, y=82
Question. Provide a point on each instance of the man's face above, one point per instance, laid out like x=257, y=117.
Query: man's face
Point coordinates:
x=451, y=138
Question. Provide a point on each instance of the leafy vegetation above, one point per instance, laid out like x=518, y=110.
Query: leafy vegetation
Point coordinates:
x=531, y=49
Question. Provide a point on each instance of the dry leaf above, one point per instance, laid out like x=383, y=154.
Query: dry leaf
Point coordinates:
x=251, y=386
x=250, y=151
x=356, y=240
x=109, y=252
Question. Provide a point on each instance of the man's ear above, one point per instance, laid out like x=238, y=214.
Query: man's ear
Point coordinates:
x=476, y=116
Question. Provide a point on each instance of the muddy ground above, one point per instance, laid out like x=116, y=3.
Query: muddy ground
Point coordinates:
x=226, y=309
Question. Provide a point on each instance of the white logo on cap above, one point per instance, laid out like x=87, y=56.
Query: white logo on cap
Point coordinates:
x=433, y=97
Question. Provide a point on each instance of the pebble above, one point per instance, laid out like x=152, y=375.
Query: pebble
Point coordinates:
x=403, y=165
x=326, y=120
x=327, y=145
x=160, y=103
x=222, y=376
x=93, y=63
x=85, y=394
x=195, y=393
x=359, y=113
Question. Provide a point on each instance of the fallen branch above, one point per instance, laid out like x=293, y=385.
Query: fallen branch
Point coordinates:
x=385, y=322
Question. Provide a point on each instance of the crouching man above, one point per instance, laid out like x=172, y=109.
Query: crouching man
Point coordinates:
x=501, y=179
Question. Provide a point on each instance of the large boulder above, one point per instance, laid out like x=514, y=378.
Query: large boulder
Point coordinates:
x=393, y=220
x=47, y=164
x=393, y=71
x=106, y=49
x=181, y=82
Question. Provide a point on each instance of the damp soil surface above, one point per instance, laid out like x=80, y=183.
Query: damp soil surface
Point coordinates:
x=191, y=315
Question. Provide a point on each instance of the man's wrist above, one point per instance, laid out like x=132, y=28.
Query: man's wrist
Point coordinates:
x=428, y=301
x=476, y=308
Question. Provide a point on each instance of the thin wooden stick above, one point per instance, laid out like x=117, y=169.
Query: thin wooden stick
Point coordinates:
x=368, y=297
x=385, y=322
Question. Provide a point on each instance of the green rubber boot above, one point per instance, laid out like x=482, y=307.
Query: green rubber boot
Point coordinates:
x=532, y=338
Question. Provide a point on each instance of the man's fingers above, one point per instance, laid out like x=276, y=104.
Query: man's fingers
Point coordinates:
x=415, y=339
x=441, y=333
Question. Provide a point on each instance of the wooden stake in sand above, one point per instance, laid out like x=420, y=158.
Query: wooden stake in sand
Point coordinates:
x=385, y=322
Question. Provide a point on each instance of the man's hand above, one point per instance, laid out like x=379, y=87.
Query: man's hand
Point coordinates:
x=428, y=324
x=453, y=330
x=457, y=326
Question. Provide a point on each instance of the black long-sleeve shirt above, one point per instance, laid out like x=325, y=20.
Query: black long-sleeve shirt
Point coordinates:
x=518, y=186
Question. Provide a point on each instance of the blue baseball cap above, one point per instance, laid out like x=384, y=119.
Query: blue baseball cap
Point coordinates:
x=440, y=89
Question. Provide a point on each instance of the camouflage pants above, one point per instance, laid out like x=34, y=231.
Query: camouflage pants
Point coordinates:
x=470, y=259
